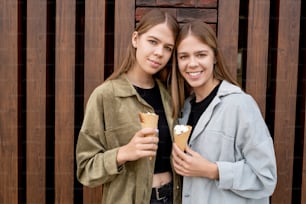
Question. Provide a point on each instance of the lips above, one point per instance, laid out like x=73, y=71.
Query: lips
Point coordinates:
x=154, y=63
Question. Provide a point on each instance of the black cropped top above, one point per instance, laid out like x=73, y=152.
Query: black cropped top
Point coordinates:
x=153, y=98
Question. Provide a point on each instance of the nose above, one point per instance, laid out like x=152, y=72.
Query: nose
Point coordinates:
x=193, y=62
x=158, y=51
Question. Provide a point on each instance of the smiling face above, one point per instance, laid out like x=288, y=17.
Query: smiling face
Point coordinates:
x=196, y=64
x=153, y=49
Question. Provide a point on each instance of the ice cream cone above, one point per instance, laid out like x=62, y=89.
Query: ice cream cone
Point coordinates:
x=181, y=135
x=148, y=120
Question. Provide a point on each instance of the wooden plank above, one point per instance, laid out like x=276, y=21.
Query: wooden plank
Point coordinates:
x=95, y=15
x=228, y=20
x=207, y=3
x=206, y=15
x=64, y=100
x=94, y=45
x=36, y=101
x=257, y=52
x=285, y=96
x=124, y=26
x=9, y=101
x=141, y=11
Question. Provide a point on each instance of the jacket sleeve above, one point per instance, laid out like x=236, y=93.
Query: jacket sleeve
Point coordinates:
x=253, y=175
x=95, y=164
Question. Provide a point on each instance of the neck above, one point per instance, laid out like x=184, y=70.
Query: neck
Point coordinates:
x=204, y=91
x=140, y=80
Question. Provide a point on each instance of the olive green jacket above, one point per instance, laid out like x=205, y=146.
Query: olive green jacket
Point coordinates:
x=110, y=121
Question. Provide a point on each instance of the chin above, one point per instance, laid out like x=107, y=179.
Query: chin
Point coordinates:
x=194, y=84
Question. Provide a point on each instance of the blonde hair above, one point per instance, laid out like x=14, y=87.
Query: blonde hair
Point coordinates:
x=204, y=33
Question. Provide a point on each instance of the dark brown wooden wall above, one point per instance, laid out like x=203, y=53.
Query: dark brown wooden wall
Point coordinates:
x=53, y=53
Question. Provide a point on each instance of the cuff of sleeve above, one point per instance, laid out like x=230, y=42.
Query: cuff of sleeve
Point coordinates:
x=226, y=175
x=110, y=162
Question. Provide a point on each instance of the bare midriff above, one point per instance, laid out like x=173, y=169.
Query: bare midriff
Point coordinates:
x=161, y=179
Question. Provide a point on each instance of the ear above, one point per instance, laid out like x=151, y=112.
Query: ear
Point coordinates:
x=134, y=39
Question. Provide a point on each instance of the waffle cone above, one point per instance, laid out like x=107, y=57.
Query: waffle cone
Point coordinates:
x=148, y=120
x=181, y=139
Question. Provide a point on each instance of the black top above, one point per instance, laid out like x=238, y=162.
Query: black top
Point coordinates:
x=198, y=108
x=152, y=96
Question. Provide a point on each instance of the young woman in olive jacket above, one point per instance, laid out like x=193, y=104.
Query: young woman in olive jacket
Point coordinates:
x=112, y=149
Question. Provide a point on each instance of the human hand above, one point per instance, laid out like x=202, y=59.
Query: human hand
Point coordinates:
x=141, y=145
x=192, y=163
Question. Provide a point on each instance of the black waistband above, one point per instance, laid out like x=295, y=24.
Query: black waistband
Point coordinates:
x=162, y=192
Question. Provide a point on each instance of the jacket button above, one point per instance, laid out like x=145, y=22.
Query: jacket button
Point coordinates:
x=177, y=187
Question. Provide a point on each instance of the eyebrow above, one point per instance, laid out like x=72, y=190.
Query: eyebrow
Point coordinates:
x=201, y=51
x=197, y=52
x=155, y=38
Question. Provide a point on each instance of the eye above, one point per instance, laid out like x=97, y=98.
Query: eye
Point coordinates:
x=182, y=57
x=201, y=55
x=152, y=42
x=169, y=49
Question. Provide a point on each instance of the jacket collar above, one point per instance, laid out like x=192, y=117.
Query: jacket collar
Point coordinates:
x=225, y=89
x=123, y=88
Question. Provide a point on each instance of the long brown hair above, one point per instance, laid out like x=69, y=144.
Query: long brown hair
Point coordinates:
x=204, y=33
x=149, y=20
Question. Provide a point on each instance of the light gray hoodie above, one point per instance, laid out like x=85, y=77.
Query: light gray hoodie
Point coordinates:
x=233, y=134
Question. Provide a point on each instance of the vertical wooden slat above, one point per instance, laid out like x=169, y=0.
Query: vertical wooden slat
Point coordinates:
x=95, y=16
x=124, y=26
x=285, y=96
x=64, y=100
x=228, y=19
x=9, y=101
x=257, y=52
x=36, y=101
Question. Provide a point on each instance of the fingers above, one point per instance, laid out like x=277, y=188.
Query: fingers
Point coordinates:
x=178, y=151
x=147, y=132
x=179, y=166
x=192, y=153
x=178, y=160
x=148, y=146
x=144, y=143
x=181, y=160
x=146, y=135
x=189, y=150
